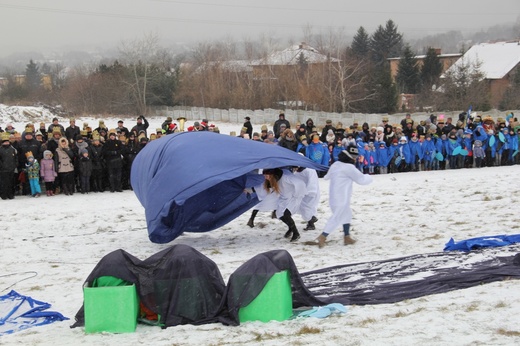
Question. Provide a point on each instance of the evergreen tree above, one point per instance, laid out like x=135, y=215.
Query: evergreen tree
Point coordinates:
x=385, y=100
x=361, y=43
x=408, y=75
x=431, y=69
x=386, y=43
x=33, y=77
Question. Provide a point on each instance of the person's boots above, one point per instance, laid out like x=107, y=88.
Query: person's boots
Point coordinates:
x=321, y=241
x=347, y=240
x=310, y=224
x=295, y=234
x=293, y=231
x=251, y=222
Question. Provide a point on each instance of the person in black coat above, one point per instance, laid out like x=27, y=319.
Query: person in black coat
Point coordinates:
x=98, y=165
x=8, y=165
x=248, y=126
x=142, y=125
x=276, y=127
x=112, y=153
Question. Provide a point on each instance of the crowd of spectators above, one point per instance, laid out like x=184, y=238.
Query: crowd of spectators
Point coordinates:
x=85, y=159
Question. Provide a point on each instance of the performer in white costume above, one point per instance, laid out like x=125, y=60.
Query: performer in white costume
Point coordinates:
x=342, y=174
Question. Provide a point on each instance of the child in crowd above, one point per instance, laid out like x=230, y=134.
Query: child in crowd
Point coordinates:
x=85, y=171
x=478, y=153
x=32, y=167
x=48, y=172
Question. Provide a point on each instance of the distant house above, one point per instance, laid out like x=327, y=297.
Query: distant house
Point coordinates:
x=299, y=55
x=447, y=60
x=498, y=61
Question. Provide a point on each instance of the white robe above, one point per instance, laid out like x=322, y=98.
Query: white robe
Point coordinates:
x=292, y=191
x=341, y=176
x=268, y=199
x=309, y=204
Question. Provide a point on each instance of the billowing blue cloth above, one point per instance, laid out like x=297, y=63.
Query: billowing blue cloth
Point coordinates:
x=195, y=181
x=475, y=243
x=18, y=312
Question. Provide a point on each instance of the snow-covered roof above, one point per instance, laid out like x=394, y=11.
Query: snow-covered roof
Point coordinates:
x=496, y=59
x=291, y=56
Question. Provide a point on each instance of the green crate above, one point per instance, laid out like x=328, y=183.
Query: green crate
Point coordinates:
x=274, y=302
x=110, y=309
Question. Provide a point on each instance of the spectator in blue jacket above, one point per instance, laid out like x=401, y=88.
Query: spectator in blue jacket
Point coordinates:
x=428, y=152
x=383, y=158
x=318, y=151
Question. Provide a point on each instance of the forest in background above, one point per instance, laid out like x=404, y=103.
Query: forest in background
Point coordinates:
x=144, y=73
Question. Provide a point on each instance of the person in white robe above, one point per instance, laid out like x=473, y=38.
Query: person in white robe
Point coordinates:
x=342, y=174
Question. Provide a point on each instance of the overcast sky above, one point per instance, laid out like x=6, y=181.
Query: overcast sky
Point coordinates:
x=29, y=25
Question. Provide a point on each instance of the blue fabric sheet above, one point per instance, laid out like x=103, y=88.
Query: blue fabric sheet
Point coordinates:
x=195, y=181
x=480, y=242
x=19, y=312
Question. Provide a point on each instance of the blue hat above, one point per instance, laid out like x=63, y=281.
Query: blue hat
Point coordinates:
x=468, y=132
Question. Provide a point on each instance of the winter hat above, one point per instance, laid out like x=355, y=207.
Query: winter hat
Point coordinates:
x=303, y=138
x=83, y=151
x=4, y=136
x=47, y=153
x=403, y=138
x=349, y=155
x=264, y=128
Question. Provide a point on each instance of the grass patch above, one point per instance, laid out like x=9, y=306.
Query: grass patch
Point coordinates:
x=501, y=305
x=216, y=252
x=55, y=266
x=502, y=331
x=36, y=288
x=367, y=321
x=267, y=336
x=308, y=330
x=472, y=307
x=487, y=198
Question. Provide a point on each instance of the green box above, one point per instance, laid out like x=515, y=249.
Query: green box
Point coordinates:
x=110, y=309
x=274, y=302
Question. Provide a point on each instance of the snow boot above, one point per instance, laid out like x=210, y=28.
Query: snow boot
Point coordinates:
x=347, y=240
x=321, y=241
x=310, y=224
x=251, y=222
x=295, y=235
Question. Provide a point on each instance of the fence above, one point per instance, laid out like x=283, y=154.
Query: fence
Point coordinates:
x=269, y=116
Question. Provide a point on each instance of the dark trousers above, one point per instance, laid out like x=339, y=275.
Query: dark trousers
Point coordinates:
x=6, y=185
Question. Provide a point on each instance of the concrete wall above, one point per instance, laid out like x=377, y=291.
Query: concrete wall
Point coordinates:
x=269, y=116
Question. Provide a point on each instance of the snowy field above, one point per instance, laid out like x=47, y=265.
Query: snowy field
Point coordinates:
x=49, y=245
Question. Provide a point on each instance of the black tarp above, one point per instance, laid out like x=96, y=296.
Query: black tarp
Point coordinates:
x=185, y=287
x=179, y=283
x=394, y=280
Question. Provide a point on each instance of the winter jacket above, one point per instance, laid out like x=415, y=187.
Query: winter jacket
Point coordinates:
x=63, y=160
x=85, y=166
x=47, y=170
x=8, y=158
x=319, y=153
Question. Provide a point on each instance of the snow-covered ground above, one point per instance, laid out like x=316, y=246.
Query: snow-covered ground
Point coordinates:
x=62, y=238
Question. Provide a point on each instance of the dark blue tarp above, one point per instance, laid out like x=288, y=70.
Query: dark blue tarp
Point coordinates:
x=194, y=181
x=479, y=242
x=19, y=312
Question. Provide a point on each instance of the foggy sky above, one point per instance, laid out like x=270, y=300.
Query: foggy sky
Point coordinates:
x=43, y=25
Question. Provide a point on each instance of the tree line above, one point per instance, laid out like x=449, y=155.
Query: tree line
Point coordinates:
x=356, y=77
